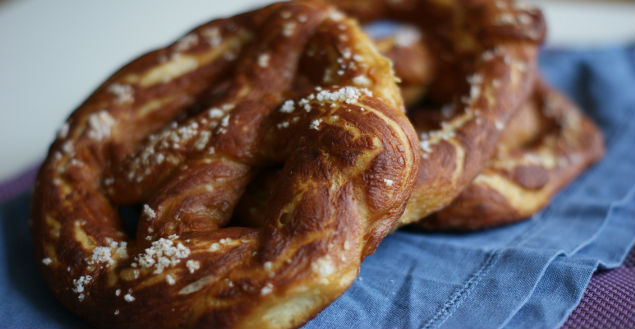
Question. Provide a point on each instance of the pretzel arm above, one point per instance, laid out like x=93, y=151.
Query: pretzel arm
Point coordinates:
x=521, y=179
x=156, y=89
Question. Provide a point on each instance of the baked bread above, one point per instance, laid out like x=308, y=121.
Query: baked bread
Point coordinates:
x=270, y=153
x=182, y=130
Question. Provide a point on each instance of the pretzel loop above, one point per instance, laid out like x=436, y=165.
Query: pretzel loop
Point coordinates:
x=484, y=63
x=348, y=153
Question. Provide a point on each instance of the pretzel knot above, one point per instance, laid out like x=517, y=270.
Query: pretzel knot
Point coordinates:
x=182, y=130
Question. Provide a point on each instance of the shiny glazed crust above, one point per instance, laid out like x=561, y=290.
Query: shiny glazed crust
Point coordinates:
x=506, y=171
x=182, y=130
x=547, y=144
x=537, y=152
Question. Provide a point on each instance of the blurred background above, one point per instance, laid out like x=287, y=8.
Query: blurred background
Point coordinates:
x=54, y=53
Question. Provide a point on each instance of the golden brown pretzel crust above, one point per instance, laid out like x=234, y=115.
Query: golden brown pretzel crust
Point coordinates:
x=524, y=173
x=546, y=145
x=183, y=130
x=484, y=54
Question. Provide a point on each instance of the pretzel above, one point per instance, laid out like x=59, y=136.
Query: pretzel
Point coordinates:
x=183, y=130
x=547, y=144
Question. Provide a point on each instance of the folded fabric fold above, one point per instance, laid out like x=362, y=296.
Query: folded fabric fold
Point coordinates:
x=566, y=275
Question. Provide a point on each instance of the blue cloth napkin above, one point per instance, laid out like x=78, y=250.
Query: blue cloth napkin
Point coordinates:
x=527, y=275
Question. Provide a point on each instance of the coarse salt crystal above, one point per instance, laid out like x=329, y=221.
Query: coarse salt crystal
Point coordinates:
x=129, y=298
x=193, y=265
x=288, y=29
x=267, y=289
x=315, y=124
x=361, y=80
x=100, y=124
x=263, y=60
x=287, y=106
x=148, y=211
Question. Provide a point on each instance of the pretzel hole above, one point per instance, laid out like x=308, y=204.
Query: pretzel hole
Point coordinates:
x=431, y=74
x=129, y=216
x=247, y=212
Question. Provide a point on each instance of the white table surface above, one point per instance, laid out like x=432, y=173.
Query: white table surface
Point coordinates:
x=54, y=53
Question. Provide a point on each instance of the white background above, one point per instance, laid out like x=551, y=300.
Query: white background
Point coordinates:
x=54, y=53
